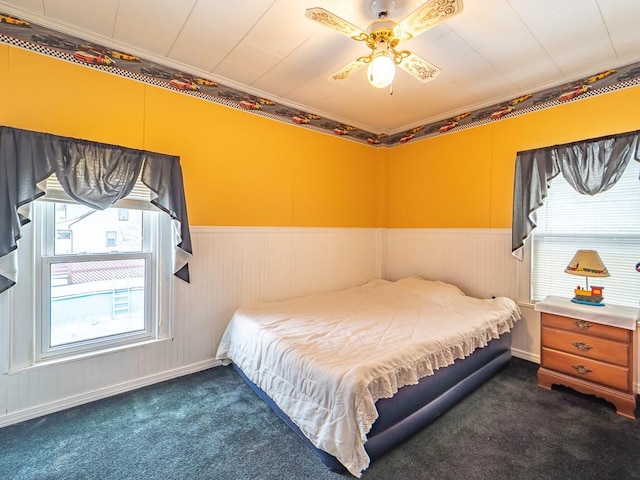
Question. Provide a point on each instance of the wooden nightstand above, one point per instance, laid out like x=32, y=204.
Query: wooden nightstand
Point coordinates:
x=590, y=349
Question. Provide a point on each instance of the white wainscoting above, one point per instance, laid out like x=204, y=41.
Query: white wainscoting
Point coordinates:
x=479, y=261
x=236, y=266
x=233, y=266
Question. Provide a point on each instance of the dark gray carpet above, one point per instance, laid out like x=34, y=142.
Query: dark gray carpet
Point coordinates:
x=210, y=425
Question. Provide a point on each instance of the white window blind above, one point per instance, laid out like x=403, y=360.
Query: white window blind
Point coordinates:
x=608, y=222
x=138, y=199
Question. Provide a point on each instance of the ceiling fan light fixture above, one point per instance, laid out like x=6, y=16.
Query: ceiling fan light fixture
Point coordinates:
x=381, y=70
x=383, y=37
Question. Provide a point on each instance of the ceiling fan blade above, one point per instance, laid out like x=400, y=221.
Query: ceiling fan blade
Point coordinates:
x=330, y=20
x=419, y=68
x=427, y=15
x=347, y=70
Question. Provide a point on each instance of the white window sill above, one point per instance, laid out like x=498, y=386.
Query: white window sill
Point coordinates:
x=86, y=355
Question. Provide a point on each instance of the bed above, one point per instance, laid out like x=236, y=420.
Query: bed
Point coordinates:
x=355, y=372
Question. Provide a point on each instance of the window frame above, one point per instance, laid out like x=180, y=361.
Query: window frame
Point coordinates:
x=111, y=239
x=44, y=218
x=26, y=347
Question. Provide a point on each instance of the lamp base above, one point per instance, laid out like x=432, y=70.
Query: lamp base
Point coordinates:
x=588, y=296
x=586, y=302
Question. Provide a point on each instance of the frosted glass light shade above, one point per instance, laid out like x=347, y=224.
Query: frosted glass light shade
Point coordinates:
x=381, y=71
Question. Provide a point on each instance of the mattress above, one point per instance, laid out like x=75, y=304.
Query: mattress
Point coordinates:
x=414, y=406
x=326, y=360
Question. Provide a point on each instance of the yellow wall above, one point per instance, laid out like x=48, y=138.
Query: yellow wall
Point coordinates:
x=242, y=169
x=465, y=179
x=239, y=169
x=4, y=85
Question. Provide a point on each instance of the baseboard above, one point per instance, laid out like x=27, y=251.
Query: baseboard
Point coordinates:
x=535, y=358
x=41, y=410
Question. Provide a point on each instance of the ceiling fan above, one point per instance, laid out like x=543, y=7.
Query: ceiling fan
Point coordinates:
x=383, y=37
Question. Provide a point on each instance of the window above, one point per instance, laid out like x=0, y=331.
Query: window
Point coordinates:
x=52, y=247
x=64, y=234
x=608, y=222
x=111, y=238
x=88, y=296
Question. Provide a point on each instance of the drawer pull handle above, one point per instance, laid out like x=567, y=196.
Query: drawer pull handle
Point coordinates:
x=582, y=346
x=582, y=369
x=582, y=325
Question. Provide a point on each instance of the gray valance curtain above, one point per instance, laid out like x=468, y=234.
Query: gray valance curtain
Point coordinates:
x=589, y=166
x=94, y=174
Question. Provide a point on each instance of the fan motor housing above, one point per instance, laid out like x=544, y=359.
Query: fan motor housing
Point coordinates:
x=381, y=34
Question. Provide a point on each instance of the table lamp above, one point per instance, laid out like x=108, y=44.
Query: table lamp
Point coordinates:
x=587, y=263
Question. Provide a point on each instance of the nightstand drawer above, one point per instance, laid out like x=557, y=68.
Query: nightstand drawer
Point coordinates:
x=586, y=368
x=586, y=346
x=590, y=328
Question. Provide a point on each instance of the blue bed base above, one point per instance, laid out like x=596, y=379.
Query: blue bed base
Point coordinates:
x=415, y=406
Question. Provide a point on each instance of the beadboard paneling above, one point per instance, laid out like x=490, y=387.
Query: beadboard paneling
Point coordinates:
x=479, y=261
x=231, y=267
x=236, y=266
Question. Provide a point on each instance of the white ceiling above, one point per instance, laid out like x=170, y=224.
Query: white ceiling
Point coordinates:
x=493, y=51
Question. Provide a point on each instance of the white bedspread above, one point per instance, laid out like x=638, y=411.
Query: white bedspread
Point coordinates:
x=325, y=359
